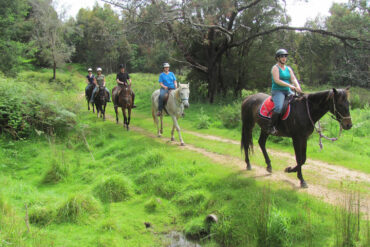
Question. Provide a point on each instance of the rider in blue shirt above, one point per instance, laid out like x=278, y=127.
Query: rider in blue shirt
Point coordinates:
x=167, y=80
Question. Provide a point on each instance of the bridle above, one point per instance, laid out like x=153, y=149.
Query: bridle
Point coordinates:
x=181, y=100
x=318, y=130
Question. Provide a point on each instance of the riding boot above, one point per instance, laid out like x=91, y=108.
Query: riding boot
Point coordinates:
x=272, y=127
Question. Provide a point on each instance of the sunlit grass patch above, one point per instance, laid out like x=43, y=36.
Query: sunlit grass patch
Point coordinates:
x=114, y=189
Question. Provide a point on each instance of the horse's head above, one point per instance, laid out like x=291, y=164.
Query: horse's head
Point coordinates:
x=125, y=90
x=340, y=107
x=184, y=94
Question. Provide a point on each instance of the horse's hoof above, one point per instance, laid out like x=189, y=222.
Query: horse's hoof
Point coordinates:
x=159, y=135
x=304, y=185
x=287, y=169
x=249, y=168
x=172, y=139
x=182, y=144
x=269, y=169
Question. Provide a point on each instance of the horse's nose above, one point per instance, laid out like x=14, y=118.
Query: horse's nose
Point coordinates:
x=349, y=126
x=186, y=105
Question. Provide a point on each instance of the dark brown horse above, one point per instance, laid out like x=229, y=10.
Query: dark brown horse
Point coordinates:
x=122, y=98
x=305, y=111
x=88, y=94
x=100, y=101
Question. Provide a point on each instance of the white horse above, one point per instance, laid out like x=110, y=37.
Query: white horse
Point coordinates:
x=178, y=99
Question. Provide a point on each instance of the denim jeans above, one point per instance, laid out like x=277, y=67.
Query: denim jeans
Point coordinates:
x=94, y=91
x=162, y=93
x=278, y=97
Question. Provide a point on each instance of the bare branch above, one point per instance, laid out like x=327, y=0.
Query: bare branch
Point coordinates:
x=248, y=6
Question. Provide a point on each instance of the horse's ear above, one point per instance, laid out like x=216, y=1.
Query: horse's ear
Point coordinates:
x=347, y=88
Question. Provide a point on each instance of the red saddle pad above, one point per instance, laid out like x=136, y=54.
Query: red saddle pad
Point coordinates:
x=268, y=105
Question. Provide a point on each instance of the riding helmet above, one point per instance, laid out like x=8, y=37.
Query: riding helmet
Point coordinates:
x=89, y=69
x=99, y=69
x=121, y=66
x=281, y=52
x=166, y=65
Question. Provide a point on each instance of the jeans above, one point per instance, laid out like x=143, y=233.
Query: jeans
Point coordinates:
x=94, y=91
x=278, y=97
x=162, y=93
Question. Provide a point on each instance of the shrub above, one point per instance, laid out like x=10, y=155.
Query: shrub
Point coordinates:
x=230, y=115
x=77, y=206
x=24, y=108
x=203, y=120
x=114, y=189
x=151, y=205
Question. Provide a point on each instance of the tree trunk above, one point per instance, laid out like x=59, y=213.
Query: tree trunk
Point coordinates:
x=54, y=70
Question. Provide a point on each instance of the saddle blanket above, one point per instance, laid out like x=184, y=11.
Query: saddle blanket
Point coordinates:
x=268, y=105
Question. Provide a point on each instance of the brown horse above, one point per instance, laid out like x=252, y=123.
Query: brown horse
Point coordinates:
x=305, y=111
x=122, y=98
x=100, y=101
x=88, y=94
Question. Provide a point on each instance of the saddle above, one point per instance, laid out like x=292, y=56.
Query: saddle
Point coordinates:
x=165, y=99
x=268, y=105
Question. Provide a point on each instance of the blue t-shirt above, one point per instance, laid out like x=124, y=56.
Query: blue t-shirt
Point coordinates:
x=168, y=79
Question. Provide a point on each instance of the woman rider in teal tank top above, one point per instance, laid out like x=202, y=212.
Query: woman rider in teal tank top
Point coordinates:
x=283, y=82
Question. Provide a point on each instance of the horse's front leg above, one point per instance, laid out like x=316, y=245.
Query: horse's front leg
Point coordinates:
x=161, y=117
x=124, y=116
x=173, y=131
x=174, y=119
x=300, y=146
x=116, y=111
x=262, y=142
x=128, y=118
x=105, y=105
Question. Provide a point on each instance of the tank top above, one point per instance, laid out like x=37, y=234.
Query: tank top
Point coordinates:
x=284, y=75
x=100, y=79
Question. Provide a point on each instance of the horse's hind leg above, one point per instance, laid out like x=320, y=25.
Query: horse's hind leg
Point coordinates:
x=104, y=111
x=173, y=131
x=262, y=142
x=161, y=130
x=129, y=118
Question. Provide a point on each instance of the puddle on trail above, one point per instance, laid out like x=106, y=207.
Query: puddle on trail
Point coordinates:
x=177, y=239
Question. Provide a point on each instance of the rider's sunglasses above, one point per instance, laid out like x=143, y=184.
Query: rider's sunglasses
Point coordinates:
x=283, y=55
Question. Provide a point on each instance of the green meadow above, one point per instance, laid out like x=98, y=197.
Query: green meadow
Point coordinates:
x=87, y=182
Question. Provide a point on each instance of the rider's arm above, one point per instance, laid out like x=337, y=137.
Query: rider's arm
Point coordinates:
x=294, y=80
x=95, y=82
x=175, y=82
x=104, y=81
x=162, y=85
x=129, y=79
x=87, y=80
x=275, y=76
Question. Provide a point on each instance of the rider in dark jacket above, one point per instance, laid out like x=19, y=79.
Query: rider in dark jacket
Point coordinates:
x=122, y=78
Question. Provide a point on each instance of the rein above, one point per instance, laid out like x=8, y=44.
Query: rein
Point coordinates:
x=181, y=100
x=319, y=129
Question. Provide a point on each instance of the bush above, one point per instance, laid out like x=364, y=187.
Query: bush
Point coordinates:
x=230, y=115
x=151, y=205
x=76, y=207
x=24, y=108
x=203, y=120
x=114, y=189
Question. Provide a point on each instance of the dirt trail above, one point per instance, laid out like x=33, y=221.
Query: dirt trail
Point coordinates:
x=332, y=196
x=331, y=171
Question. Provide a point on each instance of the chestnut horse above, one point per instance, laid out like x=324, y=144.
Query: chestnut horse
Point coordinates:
x=305, y=111
x=122, y=98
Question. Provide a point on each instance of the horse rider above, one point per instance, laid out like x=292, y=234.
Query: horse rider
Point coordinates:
x=283, y=82
x=122, y=78
x=167, y=81
x=99, y=80
x=89, y=80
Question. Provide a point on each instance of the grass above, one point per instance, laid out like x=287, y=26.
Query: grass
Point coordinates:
x=118, y=180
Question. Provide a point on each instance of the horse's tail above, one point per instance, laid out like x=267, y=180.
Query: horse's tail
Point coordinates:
x=247, y=126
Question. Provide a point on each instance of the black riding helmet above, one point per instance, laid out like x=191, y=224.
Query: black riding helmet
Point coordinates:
x=121, y=66
x=281, y=52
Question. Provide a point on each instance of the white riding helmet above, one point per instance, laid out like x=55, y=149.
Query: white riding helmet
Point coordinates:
x=89, y=69
x=166, y=65
x=99, y=69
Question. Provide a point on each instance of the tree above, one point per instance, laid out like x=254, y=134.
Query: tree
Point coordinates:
x=14, y=35
x=206, y=31
x=49, y=37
